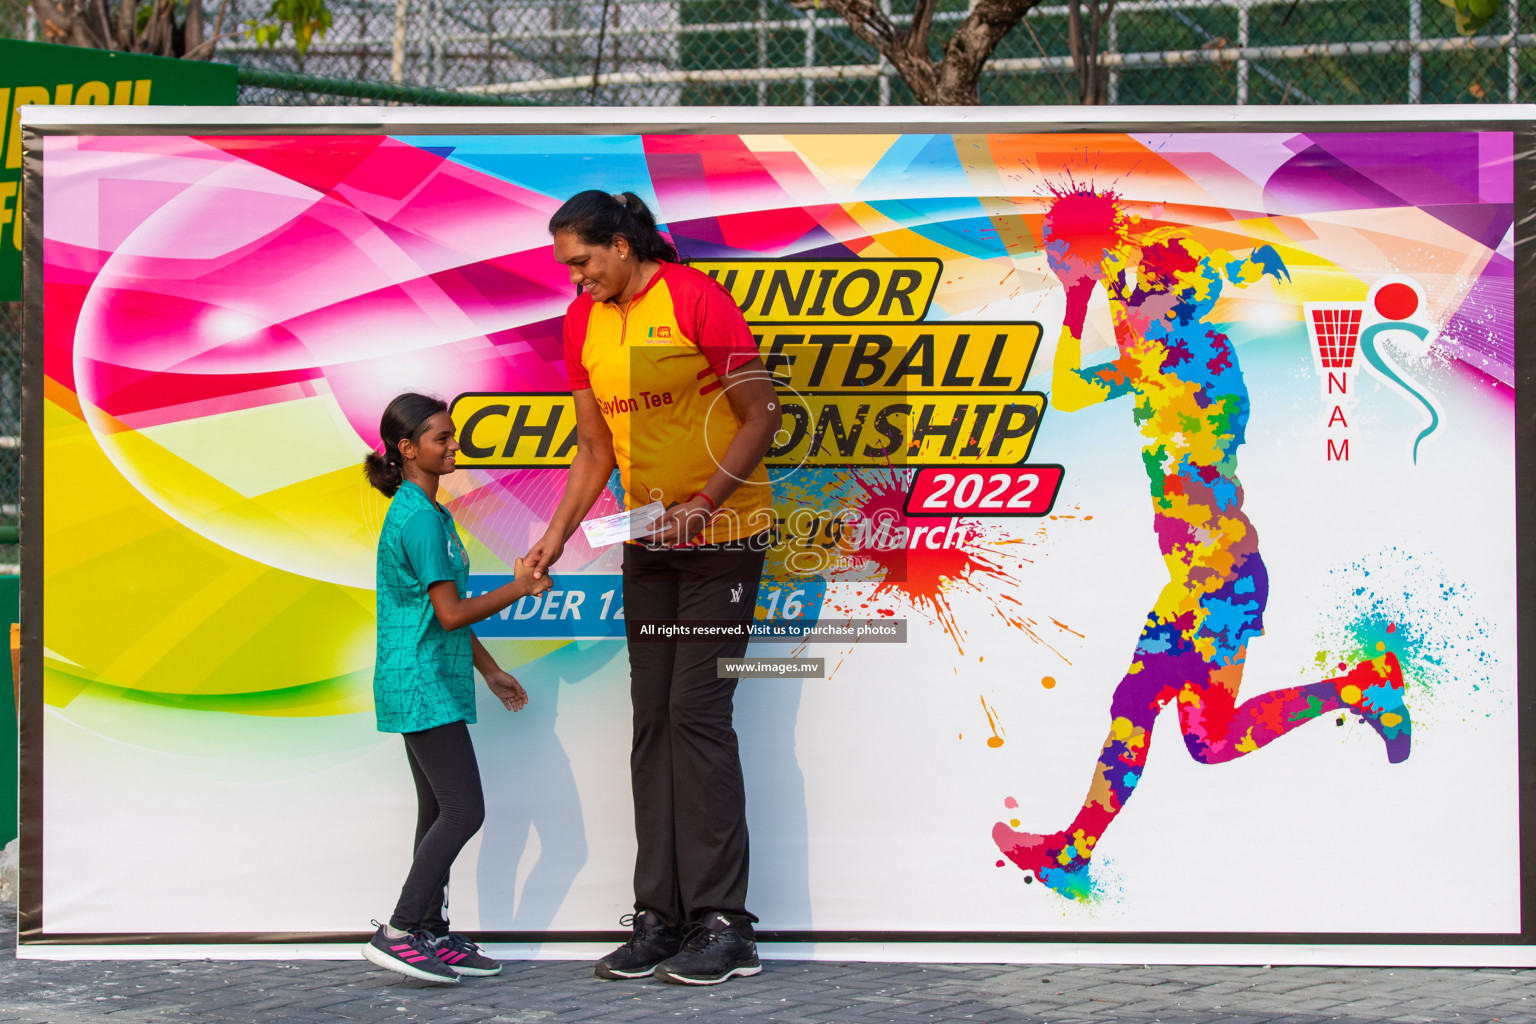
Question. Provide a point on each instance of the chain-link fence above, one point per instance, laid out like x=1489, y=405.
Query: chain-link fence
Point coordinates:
x=773, y=52
x=791, y=52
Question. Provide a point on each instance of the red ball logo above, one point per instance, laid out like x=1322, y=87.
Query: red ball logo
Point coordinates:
x=1397, y=301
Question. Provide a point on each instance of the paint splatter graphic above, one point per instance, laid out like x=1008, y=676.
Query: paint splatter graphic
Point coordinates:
x=924, y=564
x=997, y=738
x=1406, y=605
x=1191, y=404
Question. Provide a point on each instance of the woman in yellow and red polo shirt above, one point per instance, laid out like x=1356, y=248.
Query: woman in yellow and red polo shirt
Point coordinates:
x=669, y=387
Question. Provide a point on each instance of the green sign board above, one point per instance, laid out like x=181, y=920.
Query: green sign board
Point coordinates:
x=40, y=73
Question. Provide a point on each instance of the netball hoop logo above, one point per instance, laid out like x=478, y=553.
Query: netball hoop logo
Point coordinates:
x=1342, y=332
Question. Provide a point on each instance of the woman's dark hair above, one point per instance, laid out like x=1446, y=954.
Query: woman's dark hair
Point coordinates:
x=597, y=217
x=404, y=419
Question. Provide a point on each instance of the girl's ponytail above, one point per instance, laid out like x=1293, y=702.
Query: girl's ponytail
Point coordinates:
x=404, y=419
x=597, y=218
x=383, y=473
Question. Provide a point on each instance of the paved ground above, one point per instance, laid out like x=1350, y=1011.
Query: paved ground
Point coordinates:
x=208, y=992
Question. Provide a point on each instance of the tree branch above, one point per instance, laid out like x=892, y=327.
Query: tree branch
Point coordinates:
x=192, y=28
x=955, y=78
x=906, y=51
x=77, y=20
x=125, y=13
x=205, y=49
x=196, y=52
x=1084, y=42
x=100, y=10
x=867, y=20
x=972, y=45
x=157, y=32
x=1098, y=94
x=1076, y=46
x=922, y=21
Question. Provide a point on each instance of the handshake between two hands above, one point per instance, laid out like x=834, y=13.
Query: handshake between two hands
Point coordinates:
x=533, y=577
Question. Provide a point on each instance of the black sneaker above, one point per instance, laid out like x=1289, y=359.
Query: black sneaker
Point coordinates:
x=714, y=950
x=651, y=943
x=412, y=956
x=464, y=956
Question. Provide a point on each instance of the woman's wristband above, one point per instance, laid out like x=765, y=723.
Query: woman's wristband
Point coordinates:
x=713, y=508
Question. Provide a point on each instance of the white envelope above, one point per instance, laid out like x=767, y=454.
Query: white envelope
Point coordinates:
x=632, y=524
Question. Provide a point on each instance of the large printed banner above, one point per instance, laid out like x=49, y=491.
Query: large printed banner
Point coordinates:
x=1181, y=466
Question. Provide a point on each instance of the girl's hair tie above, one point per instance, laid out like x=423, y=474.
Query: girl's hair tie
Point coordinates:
x=621, y=199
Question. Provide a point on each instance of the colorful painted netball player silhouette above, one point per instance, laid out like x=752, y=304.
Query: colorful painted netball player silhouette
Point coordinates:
x=1192, y=407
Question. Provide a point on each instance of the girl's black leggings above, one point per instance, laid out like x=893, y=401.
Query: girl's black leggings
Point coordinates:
x=450, y=808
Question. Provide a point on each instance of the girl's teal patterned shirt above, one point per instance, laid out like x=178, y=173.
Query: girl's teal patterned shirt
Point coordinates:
x=423, y=675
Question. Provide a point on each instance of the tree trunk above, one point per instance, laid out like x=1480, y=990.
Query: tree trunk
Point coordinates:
x=126, y=9
x=954, y=80
x=972, y=44
x=65, y=22
x=114, y=25
x=192, y=33
x=1083, y=40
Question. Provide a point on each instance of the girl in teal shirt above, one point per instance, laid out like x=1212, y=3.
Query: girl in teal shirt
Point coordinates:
x=423, y=680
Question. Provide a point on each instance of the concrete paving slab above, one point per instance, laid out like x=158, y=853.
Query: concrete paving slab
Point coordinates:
x=787, y=992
